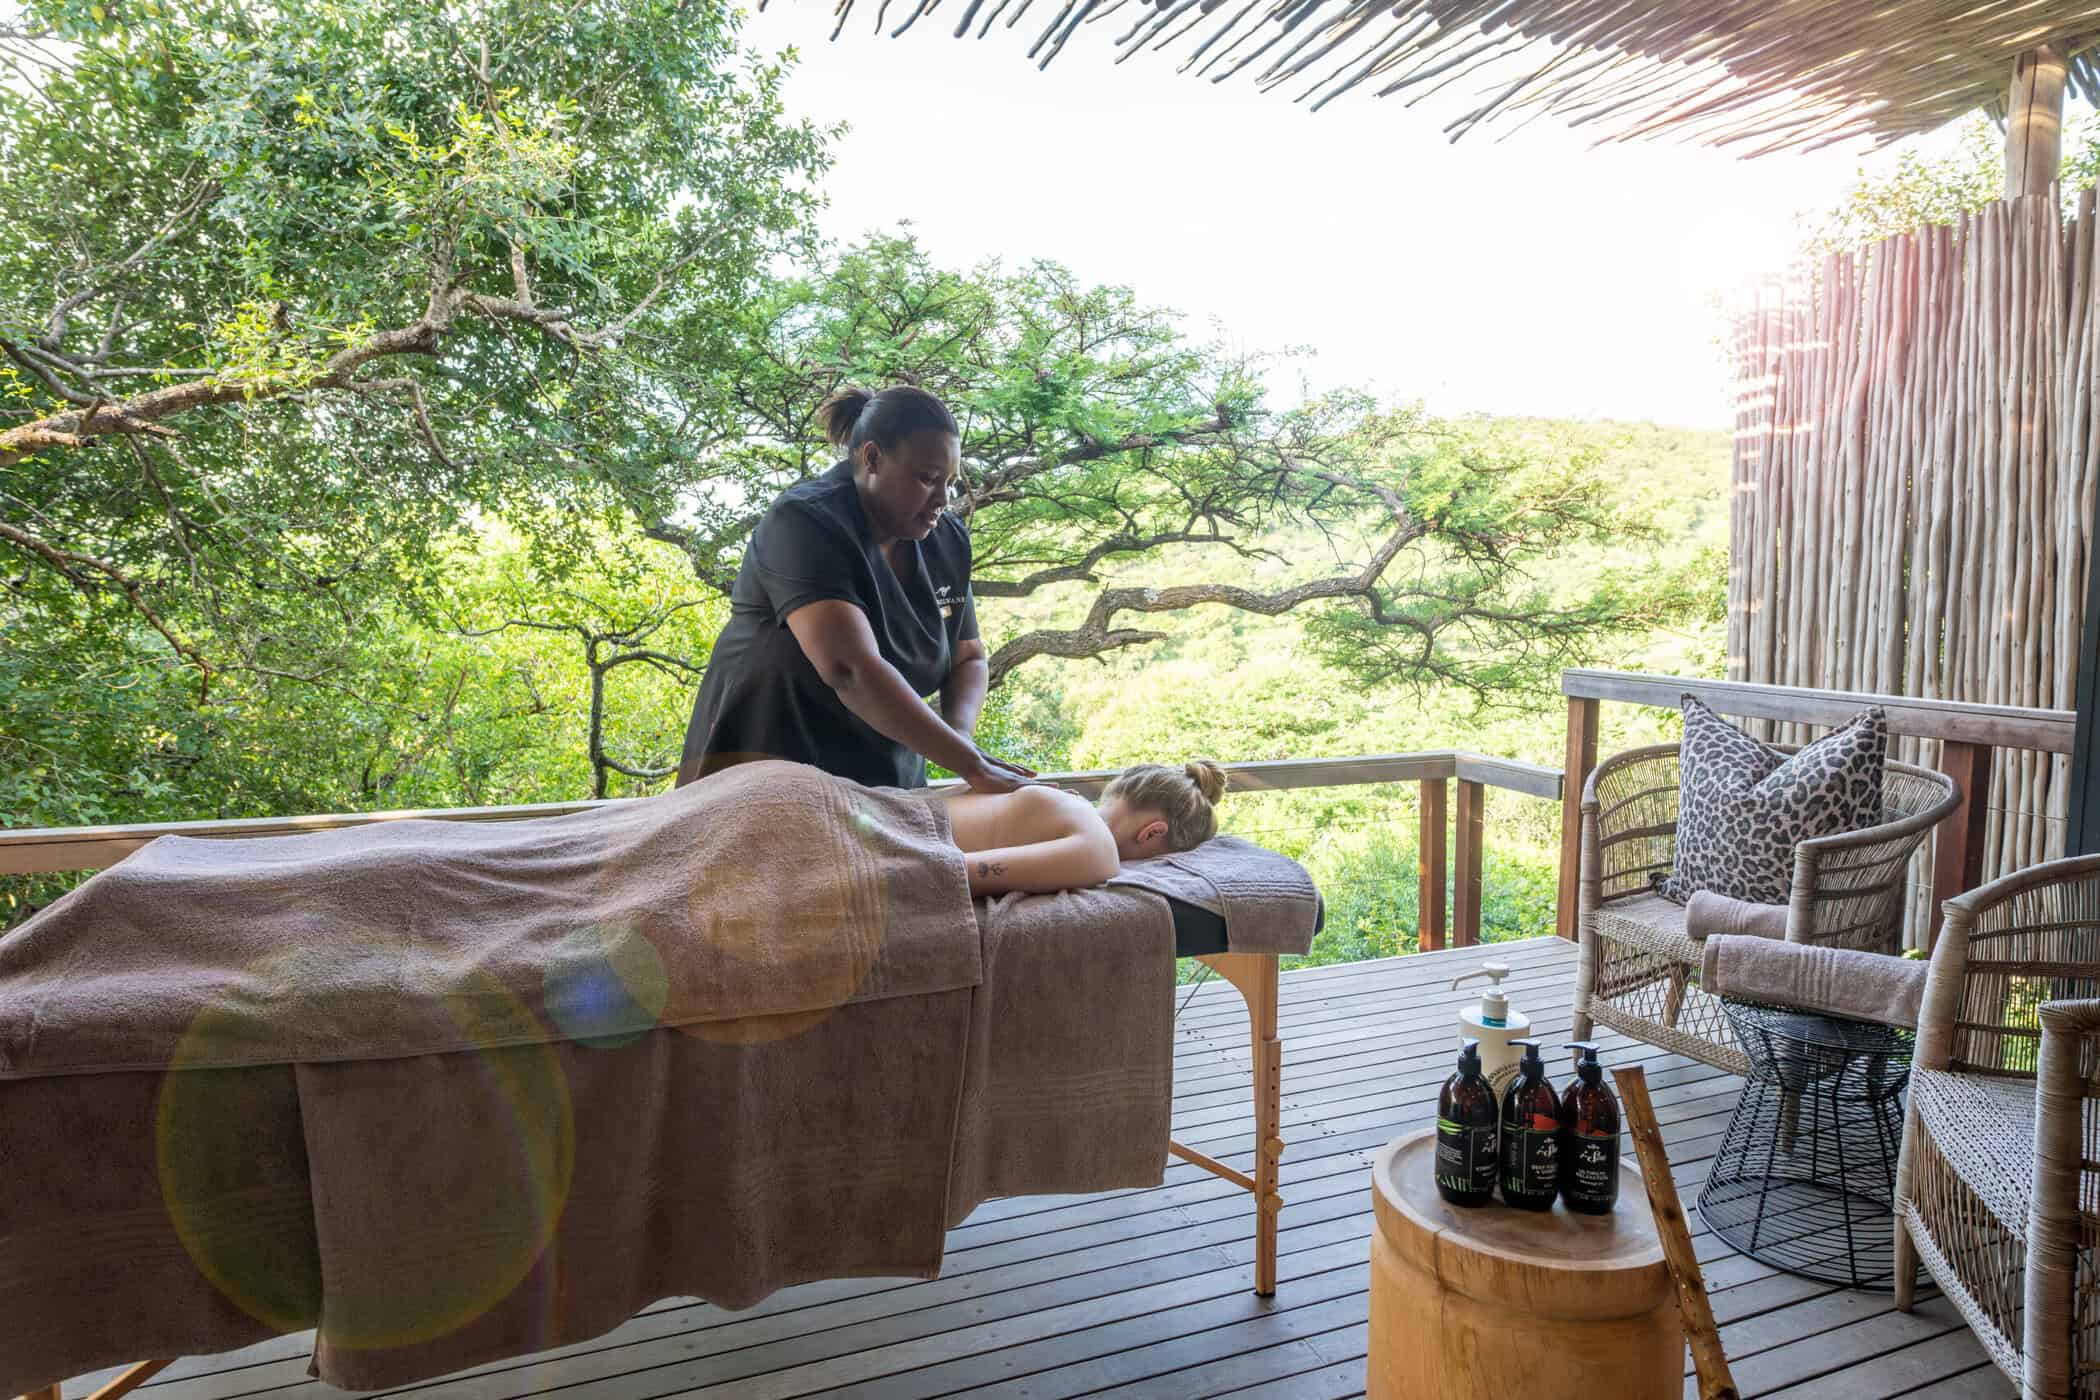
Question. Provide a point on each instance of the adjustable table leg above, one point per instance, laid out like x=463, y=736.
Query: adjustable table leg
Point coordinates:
x=1256, y=976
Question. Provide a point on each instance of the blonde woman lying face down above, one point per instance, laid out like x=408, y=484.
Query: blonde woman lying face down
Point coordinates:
x=1037, y=839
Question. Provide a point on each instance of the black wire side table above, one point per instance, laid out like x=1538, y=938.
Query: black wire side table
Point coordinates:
x=1805, y=1179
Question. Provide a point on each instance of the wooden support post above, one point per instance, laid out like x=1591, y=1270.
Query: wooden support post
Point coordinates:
x=1429, y=867
x=1957, y=854
x=46, y=1392
x=1465, y=832
x=2034, y=121
x=1582, y=757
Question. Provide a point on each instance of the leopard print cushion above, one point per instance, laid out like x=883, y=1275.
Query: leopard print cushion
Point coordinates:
x=1743, y=806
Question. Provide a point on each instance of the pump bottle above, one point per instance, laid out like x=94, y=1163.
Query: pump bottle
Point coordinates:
x=1467, y=1156
x=1531, y=1136
x=1589, y=1125
x=1493, y=1023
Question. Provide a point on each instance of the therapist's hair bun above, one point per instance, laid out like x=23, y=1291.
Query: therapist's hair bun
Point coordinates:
x=841, y=411
x=853, y=416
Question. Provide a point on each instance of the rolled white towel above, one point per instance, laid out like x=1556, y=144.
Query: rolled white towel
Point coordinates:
x=1834, y=981
x=1709, y=915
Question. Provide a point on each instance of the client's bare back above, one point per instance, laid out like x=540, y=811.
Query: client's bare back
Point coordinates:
x=1034, y=838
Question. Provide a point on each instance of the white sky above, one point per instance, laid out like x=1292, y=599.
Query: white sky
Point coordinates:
x=1531, y=274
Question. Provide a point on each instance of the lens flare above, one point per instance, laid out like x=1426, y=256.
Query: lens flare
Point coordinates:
x=605, y=987
x=486, y=1133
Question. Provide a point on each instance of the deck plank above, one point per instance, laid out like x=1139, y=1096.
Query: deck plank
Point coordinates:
x=1146, y=1293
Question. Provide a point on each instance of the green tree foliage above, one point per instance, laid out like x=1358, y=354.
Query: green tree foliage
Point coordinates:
x=291, y=293
x=1097, y=435
x=1939, y=187
x=329, y=337
x=1478, y=614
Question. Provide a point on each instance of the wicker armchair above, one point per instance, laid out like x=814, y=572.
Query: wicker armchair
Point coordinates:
x=1998, y=1186
x=1639, y=969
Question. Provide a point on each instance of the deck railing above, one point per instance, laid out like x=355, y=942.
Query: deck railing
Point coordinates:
x=1451, y=824
x=1969, y=738
x=1452, y=921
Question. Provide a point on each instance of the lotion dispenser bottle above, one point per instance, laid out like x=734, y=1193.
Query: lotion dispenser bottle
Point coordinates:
x=1495, y=1024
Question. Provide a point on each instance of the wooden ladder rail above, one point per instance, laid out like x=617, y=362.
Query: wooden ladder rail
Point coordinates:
x=1255, y=975
x=133, y=1377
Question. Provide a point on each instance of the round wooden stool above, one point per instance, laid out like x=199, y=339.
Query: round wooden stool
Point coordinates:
x=1496, y=1301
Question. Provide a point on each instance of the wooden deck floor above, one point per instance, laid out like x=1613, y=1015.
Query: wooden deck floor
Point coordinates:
x=1148, y=1293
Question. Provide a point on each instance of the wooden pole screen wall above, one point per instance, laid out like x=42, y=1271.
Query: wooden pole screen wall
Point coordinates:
x=1915, y=452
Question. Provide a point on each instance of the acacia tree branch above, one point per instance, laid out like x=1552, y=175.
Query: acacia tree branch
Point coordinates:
x=142, y=413
x=704, y=552
x=1082, y=570
x=998, y=484
x=601, y=760
x=55, y=325
x=34, y=363
x=79, y=570
x=1096, y=635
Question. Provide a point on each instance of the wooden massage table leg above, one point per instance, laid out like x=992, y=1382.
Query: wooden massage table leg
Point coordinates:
x=131, y=1380
x=1255, y=975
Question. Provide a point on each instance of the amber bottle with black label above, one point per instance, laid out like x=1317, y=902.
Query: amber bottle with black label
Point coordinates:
x=1467, y=1156
x=1589, y=1125
x=1530, y=1135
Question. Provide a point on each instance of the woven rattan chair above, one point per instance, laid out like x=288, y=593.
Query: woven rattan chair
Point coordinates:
x=1998, y=1186
x=1639, y=970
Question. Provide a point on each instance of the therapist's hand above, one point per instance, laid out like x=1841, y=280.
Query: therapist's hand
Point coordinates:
x=992, y=774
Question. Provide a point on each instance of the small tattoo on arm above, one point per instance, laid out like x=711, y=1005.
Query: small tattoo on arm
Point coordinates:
x=986, y=869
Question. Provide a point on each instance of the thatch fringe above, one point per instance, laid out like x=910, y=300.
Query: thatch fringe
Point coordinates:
x=1916, y=450
x=1768, y=74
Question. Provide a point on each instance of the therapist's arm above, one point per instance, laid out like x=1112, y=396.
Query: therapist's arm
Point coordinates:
x=962, y=694
x=836, y=638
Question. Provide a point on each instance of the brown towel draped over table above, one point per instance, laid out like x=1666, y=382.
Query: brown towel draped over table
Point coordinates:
x=454, y=1091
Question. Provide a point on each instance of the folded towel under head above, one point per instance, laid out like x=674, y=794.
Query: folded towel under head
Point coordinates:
x=1267, y=900
x=1834, y=981
x=1709, y=915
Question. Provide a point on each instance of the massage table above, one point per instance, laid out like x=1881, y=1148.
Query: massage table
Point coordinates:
x=1197, y=933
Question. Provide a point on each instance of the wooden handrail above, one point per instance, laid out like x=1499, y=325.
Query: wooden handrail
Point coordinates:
x=1970, y=735
x=1997, y=726
x=52, y=850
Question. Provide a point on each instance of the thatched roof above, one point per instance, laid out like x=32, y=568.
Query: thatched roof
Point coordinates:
x=1772, y=73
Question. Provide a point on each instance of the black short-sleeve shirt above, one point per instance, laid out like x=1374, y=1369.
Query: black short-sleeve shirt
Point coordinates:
x=761, y=697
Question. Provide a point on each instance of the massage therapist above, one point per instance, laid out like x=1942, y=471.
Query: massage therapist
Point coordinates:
x=852, y=604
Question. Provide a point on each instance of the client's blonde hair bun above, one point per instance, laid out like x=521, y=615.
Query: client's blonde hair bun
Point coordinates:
x=1208, y=777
